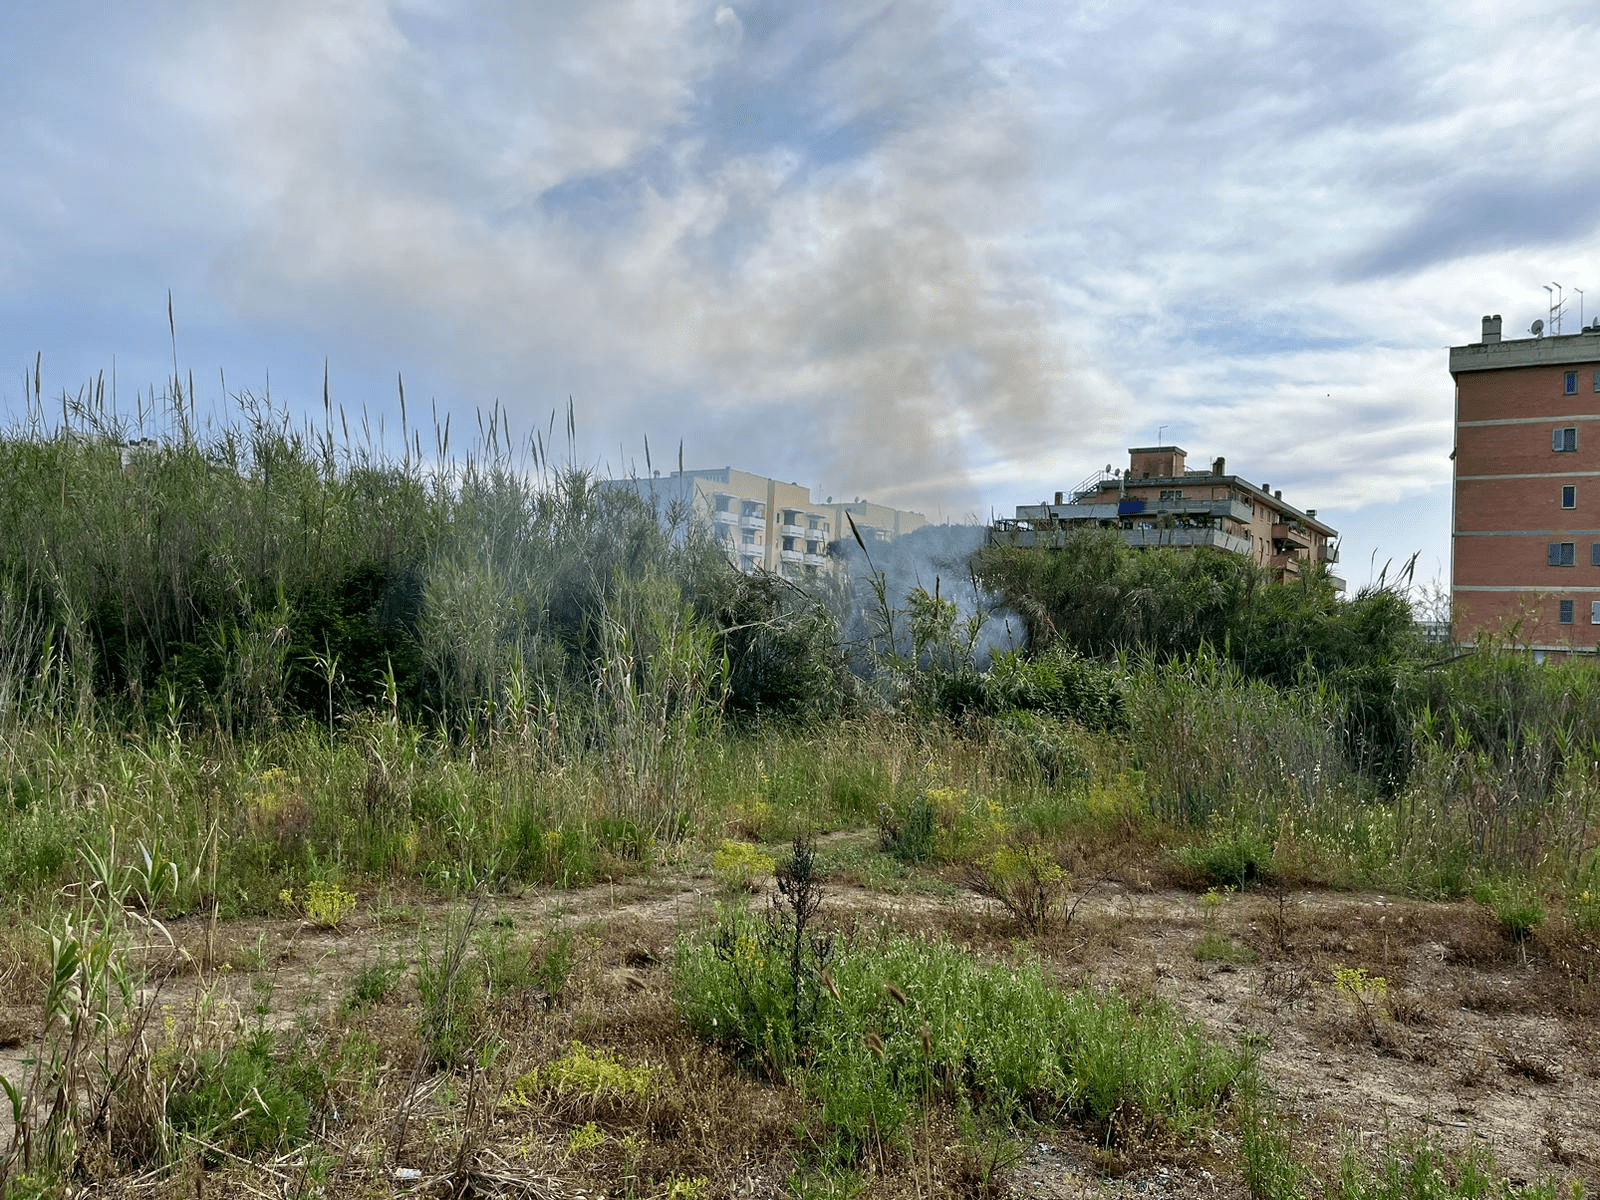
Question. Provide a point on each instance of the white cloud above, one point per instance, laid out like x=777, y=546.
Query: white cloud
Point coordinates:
x=950, y=255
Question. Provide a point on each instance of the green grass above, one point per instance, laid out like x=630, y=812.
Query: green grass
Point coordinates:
x=1421, y=1170
x=906, y=1022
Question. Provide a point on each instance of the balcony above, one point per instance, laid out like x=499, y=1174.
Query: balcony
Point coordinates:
x=1289, y=564
x=1328, y=552
x=792, y=530
x=753, y=521
x=816, y=560
x=1291, y=533
x=792, y=556
x=1187, y=537
x=1056, y=539
x=1230, y=510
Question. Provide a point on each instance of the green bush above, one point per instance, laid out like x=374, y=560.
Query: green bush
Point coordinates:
x=1516, y=906
x=241, y=1101
x=1058, y=682
x=1234, y=858
x=907, y=831
x=905, y=1020
x=1051, y=749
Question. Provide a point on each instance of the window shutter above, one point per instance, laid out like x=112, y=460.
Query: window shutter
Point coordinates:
x=1557, y=440
x=1555, y=554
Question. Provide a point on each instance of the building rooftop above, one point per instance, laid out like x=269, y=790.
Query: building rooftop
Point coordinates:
x=1491, y=353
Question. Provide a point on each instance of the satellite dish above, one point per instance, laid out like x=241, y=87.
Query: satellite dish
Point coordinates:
x=1537, y=329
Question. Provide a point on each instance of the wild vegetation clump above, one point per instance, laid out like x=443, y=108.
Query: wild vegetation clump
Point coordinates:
x=876, y=1027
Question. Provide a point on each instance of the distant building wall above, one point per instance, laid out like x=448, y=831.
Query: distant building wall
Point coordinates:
x=765, y=524
x=1525, y=532
x=1158, y=501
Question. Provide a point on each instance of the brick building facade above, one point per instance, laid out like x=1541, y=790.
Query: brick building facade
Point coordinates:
x=1525, y=536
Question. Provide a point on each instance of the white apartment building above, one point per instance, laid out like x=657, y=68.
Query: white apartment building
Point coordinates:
x=765, y=524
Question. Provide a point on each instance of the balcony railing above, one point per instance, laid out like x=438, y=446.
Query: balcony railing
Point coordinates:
x=1328, y=552
x=792, y=555
x=816, y=560
x=792, y=530
x=753, y=522
x=1231, y=510
x=1291, y=533
x=1058, y=538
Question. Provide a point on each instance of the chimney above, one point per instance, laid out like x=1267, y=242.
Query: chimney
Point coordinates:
x=1220, y=466
x=1278, y=495
x=1491, y=330
x=1058, y=497
x=1311, y=512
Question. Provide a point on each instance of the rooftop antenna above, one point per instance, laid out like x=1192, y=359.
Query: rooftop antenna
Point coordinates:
x=1580, y=306
x=1557, y=307
x=1537, y=329
x=1161, y=432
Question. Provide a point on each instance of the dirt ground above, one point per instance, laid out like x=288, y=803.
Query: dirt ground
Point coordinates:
x=1469, y=1038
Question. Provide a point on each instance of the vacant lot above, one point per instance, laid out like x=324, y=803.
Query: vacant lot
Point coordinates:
x=1375, y=1022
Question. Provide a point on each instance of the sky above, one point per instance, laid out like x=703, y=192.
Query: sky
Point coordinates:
x=950, y=256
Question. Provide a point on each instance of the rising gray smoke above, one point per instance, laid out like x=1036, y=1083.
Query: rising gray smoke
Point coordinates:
x=933, y=557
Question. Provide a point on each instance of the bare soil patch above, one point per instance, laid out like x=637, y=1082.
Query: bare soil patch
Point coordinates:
x=1470, y=1039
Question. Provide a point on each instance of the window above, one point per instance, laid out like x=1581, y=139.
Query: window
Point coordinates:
x=1175, y=495
x=1569, y=495
x=1594, y=554
x=1562, y=554
x=1566, y=612
x=1594, y=612
x=1597, y=381
x=1564, y=439
x=1572, y=383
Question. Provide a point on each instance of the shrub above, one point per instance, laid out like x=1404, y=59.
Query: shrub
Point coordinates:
x=1057, y=682
x=906, y=1018
x=1233, y=858
x=1516, y=906
x=739, y=866
x=1037, y=745
x=323, y=905
x=588, y=1080
x=1025, y=879
x=452, y=996
x=240, y=1100
x=907, y=833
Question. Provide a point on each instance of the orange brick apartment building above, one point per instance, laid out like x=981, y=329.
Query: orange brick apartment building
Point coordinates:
x=1525, y=539
x=1158, y=501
